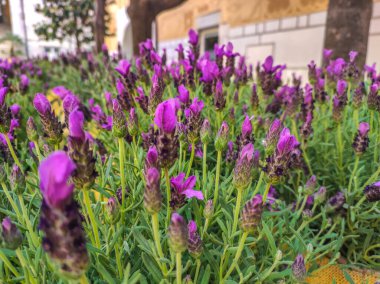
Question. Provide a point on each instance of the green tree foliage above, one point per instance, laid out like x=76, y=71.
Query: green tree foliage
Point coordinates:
x=67, y=19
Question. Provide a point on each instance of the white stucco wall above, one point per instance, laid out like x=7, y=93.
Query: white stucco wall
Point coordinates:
x=294, y=40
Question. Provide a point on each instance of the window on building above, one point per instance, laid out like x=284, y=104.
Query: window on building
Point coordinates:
x=208, y=39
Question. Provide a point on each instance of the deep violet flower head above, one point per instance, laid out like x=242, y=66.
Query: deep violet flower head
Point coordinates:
x=361, y=140
x=372, y=192
x=166, y=115
x=41, y=104
x=178, y=233
x=194, y=120
x=15, y=109
x=76, y=121
x=243, y=167
x=286, y=143
x=246, y=128
x=336, y=202
x=182, y=188
x=24, y=83
x=251, y=214
x=151, y=159
x=195, y=244
x=123, y=67
x=55, y=172
x=119, y=127
x=152, y=193
x=184, y=96
x=193, y=37
x=299, y=268
x=273, y=135
x=11, y=237
x=64, y=238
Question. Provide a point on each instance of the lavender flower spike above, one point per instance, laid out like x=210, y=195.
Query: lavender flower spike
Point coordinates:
x=251, y=214
x=178, y=233
x=361, y=140
x=194, y=240
x=64, y=239
x=11, y=237
x=372, y=192
x=298, y=268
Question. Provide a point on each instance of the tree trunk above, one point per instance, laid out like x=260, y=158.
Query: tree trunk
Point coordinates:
x=347, y=28
x=142, y=14
x=100, y=26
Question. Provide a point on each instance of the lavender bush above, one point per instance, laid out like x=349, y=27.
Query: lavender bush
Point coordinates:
x=195, y=171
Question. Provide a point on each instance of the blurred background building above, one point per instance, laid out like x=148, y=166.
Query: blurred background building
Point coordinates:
x=291, y=30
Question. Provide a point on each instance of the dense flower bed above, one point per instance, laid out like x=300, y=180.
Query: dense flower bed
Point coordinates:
x=202, y=170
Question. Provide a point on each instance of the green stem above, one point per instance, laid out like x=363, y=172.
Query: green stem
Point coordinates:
x=10, y=147
x=91, y=215
x=237, y=211
x=191, y=159
x=11, y=201
x=267, y=187
x=168, y=196
x=135, y=160
x=9, y=264
x=179, y=267
x=373, y=177
x=39, y=156
x=295, y=130
x=306, y=158
x=122, y=176
x=197, y=270
x=218, y=163
x=257, y=188
x=84, y=280
x=340, y=147
x=180, y=156
x=237, y=255
x=205, y=226
x=356, y=119
x=204, y=168
x=156, y=237
x=118, y=261
x=360, y=201
x=353, y=172
x=299, y=212
x=28, y=224
x=304, y=224
x=56, y=147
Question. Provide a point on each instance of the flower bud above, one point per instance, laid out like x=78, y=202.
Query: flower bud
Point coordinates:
x=222, y=137
x=251, y=214
x=336, y=202
x=298, y=268
x=195, y=244
x=152, y=193
x=178, y=234
x=17, y=180
x=113, y=208
x=372, y=192
x=310, y=185
x=208, y=211
x=31, y=129
x=10, y=235
x=133, y=125
x=205, y=132
x=320, y=195
x=361, y=140
x=119, y=128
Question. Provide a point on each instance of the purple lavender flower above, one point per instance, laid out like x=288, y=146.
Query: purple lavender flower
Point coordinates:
x=41, y=104
x=193, y=37
x=123, y=67
x=243, y=167
x=194, y=120
x=251, y=214
x=178, y=233
x=55, y=172
x=119, y=127
x=195, y=244
x=11, y=237
x=24, y=83
x=205, y=131
x=181, y=189
x=76, y=121
x=184, y=96
x=152, y=193
x=361, y=140
x=298, y=268
x=15, y=109
x=61, y=91
x=273, y=135
x=310, y=185
x=222, y=137
x=64, y=239
x=372, y=192
x=336, y=202
x=219, y=96
x=166, y=115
